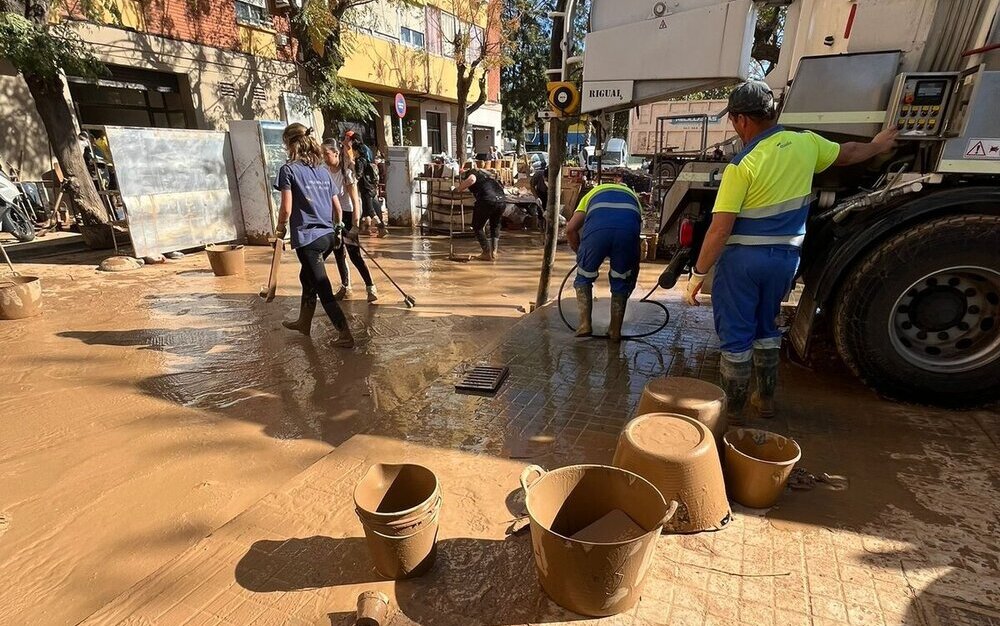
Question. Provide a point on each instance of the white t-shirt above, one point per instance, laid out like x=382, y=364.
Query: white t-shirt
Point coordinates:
x=344, y=178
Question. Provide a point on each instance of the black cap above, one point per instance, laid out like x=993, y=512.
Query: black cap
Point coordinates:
x=752, y=96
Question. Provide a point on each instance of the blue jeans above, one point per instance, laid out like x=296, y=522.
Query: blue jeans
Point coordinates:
x=750, y=283
x=621, y=245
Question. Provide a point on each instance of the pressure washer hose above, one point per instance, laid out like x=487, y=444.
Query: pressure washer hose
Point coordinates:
x=645, y=298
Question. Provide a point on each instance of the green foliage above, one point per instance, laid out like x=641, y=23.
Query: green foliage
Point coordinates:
x=523, y=80
x=44, y=50
x=345, y=101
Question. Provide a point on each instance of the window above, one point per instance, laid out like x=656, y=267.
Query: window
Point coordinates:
x=253, y=12
x=411, y=37
x=433, y=30
x=448, y=34
x=434, y=132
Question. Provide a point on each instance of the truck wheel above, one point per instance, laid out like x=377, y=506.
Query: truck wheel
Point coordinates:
x=919, y=318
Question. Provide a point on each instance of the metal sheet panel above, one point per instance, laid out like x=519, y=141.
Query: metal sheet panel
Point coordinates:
x=973, y=151
x=844, y=94
x=178, y=187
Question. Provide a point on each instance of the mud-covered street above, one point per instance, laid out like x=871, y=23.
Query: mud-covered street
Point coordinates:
x=170, y=454
x=144, y=409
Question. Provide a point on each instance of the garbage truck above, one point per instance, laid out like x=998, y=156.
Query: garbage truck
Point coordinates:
x=901, y=262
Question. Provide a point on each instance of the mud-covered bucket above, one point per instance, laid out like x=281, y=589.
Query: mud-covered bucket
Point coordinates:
x=695, y=398
x=399, y=507
x=20, y=297
x=758, y=464
x=677, y=454
x=593, y=532
x=226, y=260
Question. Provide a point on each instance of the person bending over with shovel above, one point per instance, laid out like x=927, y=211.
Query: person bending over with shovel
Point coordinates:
x=490, y=204
x=606, y=224
x=309, y=202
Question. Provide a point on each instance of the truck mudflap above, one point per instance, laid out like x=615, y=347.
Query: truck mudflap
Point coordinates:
x=800, y=333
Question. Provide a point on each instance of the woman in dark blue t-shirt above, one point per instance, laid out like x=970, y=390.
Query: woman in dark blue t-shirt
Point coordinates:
x=309, y=202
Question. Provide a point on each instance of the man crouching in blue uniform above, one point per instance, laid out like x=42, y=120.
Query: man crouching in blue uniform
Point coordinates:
x=610, y=218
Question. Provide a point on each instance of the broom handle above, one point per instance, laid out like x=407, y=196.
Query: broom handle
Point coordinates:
x=7, y=258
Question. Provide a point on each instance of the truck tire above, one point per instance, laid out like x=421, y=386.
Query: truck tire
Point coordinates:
x=919, y=317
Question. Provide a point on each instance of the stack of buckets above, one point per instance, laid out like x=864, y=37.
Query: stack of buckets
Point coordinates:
x=399, y=507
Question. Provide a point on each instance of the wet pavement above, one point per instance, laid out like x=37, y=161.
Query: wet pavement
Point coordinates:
x=912, y=539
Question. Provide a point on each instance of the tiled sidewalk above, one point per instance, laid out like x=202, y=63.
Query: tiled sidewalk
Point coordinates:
x=912, y=540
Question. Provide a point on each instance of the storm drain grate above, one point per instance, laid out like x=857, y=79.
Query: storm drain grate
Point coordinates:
x=483, y=379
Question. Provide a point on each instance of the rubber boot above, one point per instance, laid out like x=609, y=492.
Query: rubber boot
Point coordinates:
x=736, y=384
x=495, y=247
x=618, y=304
x=484, y=243
x=343, y=292
x=345, y=339
x=765, y=364
x=372, y=293
x=307, y=308
x=383, y=232
x=585, y=304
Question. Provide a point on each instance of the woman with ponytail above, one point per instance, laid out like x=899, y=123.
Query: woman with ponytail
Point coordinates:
x=309, y=204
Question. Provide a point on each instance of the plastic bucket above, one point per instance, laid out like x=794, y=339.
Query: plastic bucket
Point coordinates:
x=677, y=454
x=20, y=297
x=399, y=507
x=758, y=464
x=695, y=398
x=593, y=532
x=226, y=260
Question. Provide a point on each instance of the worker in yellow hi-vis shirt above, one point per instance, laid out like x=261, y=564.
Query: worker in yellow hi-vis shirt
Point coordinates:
x=758, y=226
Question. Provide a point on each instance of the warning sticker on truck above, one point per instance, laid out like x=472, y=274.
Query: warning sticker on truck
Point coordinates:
x=988, y=148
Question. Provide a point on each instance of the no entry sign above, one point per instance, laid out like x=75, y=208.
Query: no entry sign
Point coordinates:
x=400, y=106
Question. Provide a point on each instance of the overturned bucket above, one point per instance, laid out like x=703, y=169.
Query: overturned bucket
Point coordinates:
x=758, y=464
x=226, y=260
x=399, y=507
x=593, y=532
x=20, y=297
x=693, y=397
x=677, y=454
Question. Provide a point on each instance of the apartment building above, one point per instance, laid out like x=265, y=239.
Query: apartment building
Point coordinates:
x=194, y=64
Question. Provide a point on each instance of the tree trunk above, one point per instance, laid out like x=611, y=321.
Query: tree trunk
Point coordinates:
x=57, y=117
x=462, y=120
x=557, y=154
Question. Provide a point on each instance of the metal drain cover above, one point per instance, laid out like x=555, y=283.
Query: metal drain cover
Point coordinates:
x=483, y=379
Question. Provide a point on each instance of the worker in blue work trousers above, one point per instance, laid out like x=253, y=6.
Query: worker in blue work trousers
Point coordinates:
x=758, y=224
x=606, y=224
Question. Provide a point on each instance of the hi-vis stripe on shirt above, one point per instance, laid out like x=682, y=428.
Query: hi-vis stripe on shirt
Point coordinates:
x=768, y=185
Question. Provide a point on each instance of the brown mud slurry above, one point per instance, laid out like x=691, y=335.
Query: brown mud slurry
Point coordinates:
x=144, y=409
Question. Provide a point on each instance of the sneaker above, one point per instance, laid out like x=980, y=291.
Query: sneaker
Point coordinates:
x=342, y=293
x=372, y=293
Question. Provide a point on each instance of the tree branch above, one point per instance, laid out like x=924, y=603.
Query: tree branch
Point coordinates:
x=481, y=100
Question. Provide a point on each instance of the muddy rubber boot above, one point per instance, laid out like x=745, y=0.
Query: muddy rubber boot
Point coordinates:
x=585, y=304
x=487, y=254
x=618, y=304
x=307, y=308
x=765, y=364
x=372, y=293
x=736, y=384
x=344, y=340
x=342, y=293
x=495, y=247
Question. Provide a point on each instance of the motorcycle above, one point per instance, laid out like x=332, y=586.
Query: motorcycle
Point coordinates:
x=16, y=210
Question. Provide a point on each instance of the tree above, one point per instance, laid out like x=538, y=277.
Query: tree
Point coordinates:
x=523, y=78
x=43, y=50
x=324, y=41
x=476, y=49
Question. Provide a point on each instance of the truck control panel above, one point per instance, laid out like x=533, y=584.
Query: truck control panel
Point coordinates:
x=920, y=104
